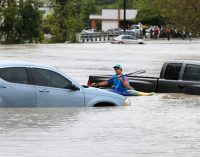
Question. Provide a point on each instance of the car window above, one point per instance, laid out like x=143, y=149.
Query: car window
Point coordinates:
x=125, y=37
x=49, y=78
x=132, y=38
x=192, y=73
x=172, y=71
x=15, y=75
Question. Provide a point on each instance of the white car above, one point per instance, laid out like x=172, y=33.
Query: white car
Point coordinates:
x=89, y=31
x=127, y=39
x=136, y=29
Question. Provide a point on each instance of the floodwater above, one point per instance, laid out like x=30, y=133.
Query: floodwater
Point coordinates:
x=163, y=125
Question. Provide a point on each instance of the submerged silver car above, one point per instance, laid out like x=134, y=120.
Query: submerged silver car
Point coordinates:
x=32, y=85
x=127, y=39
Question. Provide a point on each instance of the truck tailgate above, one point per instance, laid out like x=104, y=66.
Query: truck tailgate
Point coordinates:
x=145, y=84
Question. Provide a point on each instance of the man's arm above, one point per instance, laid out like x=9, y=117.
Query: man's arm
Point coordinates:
x=124, y=81
x=100, y=84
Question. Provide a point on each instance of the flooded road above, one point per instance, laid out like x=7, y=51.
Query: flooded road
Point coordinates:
x=163, y=125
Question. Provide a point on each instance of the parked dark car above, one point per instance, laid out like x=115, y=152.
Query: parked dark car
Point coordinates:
x=177, y=76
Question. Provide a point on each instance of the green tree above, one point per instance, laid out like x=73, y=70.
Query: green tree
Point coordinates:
x=68, y=18
x=9, y=21
x=55, y=23
x=183, y=14
x=148, y=13
x=21, y=21
x=31, y=17
x=88, y=7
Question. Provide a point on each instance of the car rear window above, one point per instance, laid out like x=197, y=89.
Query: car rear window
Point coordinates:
x=172, y=71
x=15, y=75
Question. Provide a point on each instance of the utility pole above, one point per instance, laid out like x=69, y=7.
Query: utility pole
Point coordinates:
x=124, y=16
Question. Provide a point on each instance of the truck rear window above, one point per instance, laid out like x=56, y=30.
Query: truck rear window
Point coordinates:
x=192, y=73
x=172, y=71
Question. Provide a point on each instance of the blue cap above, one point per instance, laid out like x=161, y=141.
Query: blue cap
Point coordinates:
x=118, y=66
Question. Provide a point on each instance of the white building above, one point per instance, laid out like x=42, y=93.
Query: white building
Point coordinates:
x=112, y=18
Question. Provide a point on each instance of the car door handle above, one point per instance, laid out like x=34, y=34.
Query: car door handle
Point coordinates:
x=2, y=86
x=43, y=91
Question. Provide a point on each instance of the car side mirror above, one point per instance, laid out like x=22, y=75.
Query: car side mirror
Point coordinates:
x=73, y=87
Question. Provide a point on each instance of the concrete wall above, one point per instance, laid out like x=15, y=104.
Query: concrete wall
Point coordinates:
x=109, y=24
x=112, y=14
x=109, y=14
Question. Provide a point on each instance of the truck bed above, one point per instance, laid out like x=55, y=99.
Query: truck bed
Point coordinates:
x=140, y=83
x=177, y=76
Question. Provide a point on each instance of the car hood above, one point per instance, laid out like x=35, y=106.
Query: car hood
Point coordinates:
x=102, y=92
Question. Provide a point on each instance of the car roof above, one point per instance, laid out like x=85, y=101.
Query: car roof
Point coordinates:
x=22, y=64
x=4, y=64
x=186, y=61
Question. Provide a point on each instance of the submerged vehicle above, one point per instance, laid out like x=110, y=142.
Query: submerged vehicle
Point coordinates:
x=177, y=76
x=25, y=84
x=127, y=39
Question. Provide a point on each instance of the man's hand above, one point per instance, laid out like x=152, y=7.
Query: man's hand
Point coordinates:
x=124, y=81
x=120, y=77
x=100, y=84
x=94, y=85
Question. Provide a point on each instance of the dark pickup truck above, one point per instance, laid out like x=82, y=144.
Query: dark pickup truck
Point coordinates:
x=177, y=76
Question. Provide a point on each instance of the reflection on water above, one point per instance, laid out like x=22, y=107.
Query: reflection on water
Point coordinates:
x=11, y=118
x=144, y=129
x=160, y=125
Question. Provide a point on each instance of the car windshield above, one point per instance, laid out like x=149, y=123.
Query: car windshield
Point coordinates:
x=135, y=27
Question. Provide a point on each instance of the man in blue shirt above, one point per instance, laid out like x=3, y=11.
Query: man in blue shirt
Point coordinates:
x=120, y=84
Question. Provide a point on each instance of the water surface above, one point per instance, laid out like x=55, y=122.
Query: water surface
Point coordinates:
x=163, y=125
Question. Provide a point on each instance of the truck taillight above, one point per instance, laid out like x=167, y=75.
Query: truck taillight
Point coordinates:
x=89, y=83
